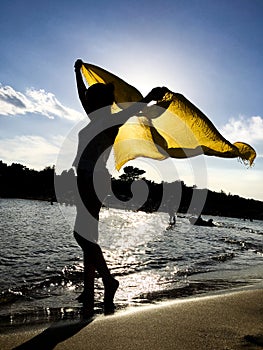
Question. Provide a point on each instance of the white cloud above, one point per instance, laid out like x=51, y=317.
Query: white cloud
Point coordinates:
x=243, y=129
x=13, y=102
x=32, y=151
x=248, y=130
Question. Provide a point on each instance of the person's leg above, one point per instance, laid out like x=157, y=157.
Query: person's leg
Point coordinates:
x=88, y=209
x=93, y=256
x=87, y=295
x=94, y=259
x=110, y=283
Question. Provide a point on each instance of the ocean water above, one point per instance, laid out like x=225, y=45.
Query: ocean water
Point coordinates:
x=41, y=264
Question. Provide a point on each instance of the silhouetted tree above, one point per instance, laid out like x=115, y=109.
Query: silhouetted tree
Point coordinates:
x=18, y=181
x=131, y=173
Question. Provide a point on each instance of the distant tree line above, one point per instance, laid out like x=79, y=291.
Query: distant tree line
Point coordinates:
x=18, y=181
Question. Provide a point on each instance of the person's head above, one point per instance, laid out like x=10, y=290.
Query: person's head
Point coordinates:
x=99, y=95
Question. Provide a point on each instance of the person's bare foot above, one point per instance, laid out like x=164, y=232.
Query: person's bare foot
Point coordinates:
x=88, y=304
x=86, y=298
x=110, y=288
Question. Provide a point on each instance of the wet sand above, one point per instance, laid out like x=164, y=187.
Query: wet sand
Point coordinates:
x=228, y=321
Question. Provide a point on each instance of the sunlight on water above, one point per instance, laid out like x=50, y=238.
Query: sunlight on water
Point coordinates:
x=41, y=264
x=139, y=284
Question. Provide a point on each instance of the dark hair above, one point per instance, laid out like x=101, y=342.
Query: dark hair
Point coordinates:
x=99, y=95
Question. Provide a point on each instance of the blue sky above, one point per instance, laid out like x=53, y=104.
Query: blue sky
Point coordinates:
x=210, y=51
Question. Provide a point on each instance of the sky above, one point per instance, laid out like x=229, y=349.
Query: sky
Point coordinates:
x=209, y=51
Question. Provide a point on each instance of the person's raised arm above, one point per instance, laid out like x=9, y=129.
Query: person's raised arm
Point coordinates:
x=80, y=84
x=155, y=95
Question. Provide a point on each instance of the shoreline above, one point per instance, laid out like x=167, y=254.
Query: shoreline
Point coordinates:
x=181, y=214
x=219, y=320
x=38, y=317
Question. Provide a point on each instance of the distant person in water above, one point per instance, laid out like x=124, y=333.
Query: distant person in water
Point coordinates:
x=172, y=215
x=172, y=219
x=95, y=143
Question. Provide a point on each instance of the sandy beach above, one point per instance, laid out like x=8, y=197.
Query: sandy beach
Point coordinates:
x=233, y=320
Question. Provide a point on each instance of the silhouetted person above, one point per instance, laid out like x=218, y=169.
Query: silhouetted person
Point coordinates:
x=172, y=216
x=95, y=143
x=172, y=220
x=210, y=222
x=199, y=220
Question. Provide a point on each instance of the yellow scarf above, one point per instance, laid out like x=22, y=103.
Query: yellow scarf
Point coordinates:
x=178, y=128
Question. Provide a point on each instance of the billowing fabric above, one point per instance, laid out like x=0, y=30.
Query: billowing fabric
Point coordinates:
x=174, y=127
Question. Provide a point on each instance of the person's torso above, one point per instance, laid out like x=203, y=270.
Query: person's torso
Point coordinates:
x=95, y=144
